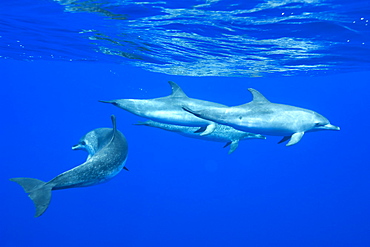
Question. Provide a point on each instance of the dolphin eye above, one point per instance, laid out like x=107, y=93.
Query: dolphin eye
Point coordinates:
x=83, y=143
x=317, y=124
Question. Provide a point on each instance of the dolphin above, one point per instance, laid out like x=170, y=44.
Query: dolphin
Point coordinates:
x=169, y=109
x=107, y=148
x=266, y=118
x=222, y=133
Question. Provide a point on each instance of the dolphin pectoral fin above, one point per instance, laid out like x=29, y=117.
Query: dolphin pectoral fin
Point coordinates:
x=195, y=113
x=190, y=111
x=296, y=137
x=285, y=138
x=38, y=191
x=200, y=130
x=227, y=144
x=234, y=145
x=209, y=129
x=126, y=168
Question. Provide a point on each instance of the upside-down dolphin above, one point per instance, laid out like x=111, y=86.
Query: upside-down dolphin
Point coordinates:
x=221, y=133
x=107, y=148
x=266, y=118
x=169, y=109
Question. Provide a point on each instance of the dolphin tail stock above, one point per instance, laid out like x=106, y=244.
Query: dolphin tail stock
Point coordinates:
x=38, y=191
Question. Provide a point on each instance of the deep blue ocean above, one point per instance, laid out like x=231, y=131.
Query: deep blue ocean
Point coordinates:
x=58, y=58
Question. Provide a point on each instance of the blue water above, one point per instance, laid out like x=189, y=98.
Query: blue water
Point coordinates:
x=58, y=58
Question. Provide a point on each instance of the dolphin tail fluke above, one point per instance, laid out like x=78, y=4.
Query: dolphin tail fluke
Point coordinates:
x=38, y=191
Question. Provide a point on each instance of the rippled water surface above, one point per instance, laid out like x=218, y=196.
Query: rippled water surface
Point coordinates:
x=193, y=38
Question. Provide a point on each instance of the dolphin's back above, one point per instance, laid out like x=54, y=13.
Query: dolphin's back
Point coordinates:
x=101, y=167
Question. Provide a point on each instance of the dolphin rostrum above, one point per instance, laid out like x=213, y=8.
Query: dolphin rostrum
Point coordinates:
x=169, y=109
x=107, y=148
x=266, y=118
x=222, y=133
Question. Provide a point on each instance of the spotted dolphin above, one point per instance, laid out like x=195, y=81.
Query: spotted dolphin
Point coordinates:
x=169, y=109
x=222, y=133
x=107, y=148
x=266, y=118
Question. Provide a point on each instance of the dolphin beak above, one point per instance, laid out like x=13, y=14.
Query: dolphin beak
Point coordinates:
x=261, y=137
x=330, y=127
x=76, y=147
x=113, y=102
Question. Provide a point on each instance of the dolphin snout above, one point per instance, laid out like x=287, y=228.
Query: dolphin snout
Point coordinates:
x=113, y=102
x=331, y=127
x=258, y=136
x=76, y=147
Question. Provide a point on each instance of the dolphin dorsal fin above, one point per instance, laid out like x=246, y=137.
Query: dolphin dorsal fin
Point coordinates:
x=257, y=96
x=113, y=118
x=176, y=90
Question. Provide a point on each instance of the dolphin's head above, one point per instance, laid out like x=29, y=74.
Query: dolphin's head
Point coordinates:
x=135, y=106
x=322, y=123
x=93, y=141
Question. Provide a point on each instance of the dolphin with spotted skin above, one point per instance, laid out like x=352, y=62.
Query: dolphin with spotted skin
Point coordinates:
x=107, y=148
x=222, y=133
x=266, y=118
x=169, y=109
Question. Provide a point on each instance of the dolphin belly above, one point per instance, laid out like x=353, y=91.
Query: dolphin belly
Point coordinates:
x=268, y=130
x=177, y=117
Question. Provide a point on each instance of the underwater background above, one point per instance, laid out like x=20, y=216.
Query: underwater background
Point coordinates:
x=58, y=58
